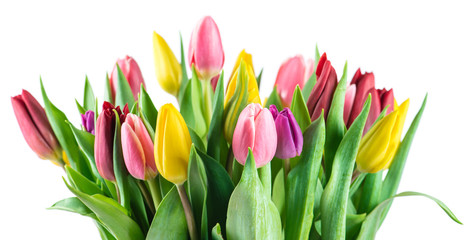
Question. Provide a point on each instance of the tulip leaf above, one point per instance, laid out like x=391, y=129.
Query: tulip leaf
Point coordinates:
x=73, y=204
x=89, y=97
x=169, y=221
x=274, y=99
x=302, y=183
x=335, y=124
x=264, y=174
x=119, y=168
x=279, y=192
x=217, y=146
x=191, y=108
x=124, y=95
x=80, y=108
x=137, y=204
x=147, y=108
x=354, y=222
x=217, y=232
x=299, y=109
x=335, y=196
x=371, y=191
x=375, y=218
x=107, y=96
x=164, y=185
x=259, y=218
x=258, y=79
x=65, y=136
x=197, y=186
x=104, y=233
x=81, y=183
x=309, y=85
x=199, y=144
x=185, y=78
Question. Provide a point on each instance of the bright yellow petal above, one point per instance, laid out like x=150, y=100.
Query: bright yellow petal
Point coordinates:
x=168, y=69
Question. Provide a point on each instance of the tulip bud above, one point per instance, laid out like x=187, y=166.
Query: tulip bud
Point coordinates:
x=255, y=130
x=137, y=149
x=104, y=136
x=378, y=146
x=168, y=69
x=35, y=127
x=294, y=71
x=205, y=49
x=321, y=95
x=132, y=73
x=172, y=145
x=241, y=90
x=88, y=121
x=290, y=138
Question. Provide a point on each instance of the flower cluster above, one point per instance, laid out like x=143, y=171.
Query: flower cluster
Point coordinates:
x=307, y=162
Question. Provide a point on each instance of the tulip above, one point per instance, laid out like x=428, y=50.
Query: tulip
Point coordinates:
x=35, y=127
x=255, y=130
x=294, y=71
x=322, y=93
x=88, y=121
x=361, y=86
x=290, y=138
x=378, y=146
x=205, y=49
x=172, y=145
x=214, y=82
x=132, y=73
x=104, y=137
x=168, y=69
x=137, y=149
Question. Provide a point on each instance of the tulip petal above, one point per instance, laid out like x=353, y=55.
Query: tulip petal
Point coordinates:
x=133, y=153
x=265, y=138
x=291, y=73
x=244, y=134
x=286, y=147
x=103, y=145
x=349, y=99
x=364, y=83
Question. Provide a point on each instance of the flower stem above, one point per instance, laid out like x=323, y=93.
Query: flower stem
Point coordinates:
x=287, y=166
x=207, y=104
x=145, y=192
x=229, y=164
x=155, y=192
x=188, y=211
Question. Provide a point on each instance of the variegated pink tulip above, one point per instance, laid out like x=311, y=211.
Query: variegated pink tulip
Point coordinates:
x=294, y=71
x=132, y=73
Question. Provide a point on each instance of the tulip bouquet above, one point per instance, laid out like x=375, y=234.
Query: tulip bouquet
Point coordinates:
x=318, y=159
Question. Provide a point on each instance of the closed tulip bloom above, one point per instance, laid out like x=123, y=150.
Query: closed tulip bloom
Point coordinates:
x=168, y=69
x=205, y=49
x=172, y=145
x=137, y=148
x=289, y=132
x=132, y=73
x=236, y=97
x=255, y=130
x=322, y=93
x=378, y=146
x=104, y=136
x=35, y=126
x=88, y=121
x=294, y=71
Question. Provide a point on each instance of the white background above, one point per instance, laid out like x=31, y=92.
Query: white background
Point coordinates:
x=414, y=48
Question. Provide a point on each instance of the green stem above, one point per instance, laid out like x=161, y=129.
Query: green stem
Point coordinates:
x=229, y=164
x=155, y=191
x=188, y=212
x=207, y=104
x=287, y=166
x=146, y=195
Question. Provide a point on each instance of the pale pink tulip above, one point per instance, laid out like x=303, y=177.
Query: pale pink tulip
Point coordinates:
x=132, y=73
x=294, y=71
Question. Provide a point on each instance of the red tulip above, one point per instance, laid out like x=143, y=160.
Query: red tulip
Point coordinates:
x=294, y=71
x=35, y=126
x=322, y=93
x=205, y=49
x=132, y=73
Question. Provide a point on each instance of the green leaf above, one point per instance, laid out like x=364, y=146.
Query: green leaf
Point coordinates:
x=89, y=97
x=82, y=183
x=196, y=140
x=124, y=95
x=104, y=233
x=335, y=124
x=164, y=185
x=185, y=78
x=137, y=204
x=217, y=233
x=191, y=107
x=258, y=79
x=279, y=192
x=371, y=191
x=111, y=215
x=73, y=204
x=354, y=222
x=302, y=183
x=170, y=220
x=107, y=96
x=335, y=196
x=119, y=168
x=80, y=108
x=309, y=85
x=86, y=141
x=264, y=174
x=259, y=218
x=375, y=218
x=147, y=108
x=217, y=145
x=299, y=109
x=197, y=185
x=274, y=99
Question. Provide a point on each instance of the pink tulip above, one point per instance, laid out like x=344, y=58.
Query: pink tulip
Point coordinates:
x=132, y=73
x=294, y=71
x=35, y=126
x=214, y=82
x=256, y=130
x=205, y=49
x=138, y=149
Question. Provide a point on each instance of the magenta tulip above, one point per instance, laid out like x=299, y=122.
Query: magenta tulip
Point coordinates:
x=322, y=93
x=35, y=126
x=88, y=121
x=294, y=71
x=104, y=136
x=132, y=73
x=256, y=130
x=205, y=49
x=138, y=149
x=289, y=132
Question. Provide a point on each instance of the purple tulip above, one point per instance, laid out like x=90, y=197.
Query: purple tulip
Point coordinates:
x=290, y=138
x=88, y=121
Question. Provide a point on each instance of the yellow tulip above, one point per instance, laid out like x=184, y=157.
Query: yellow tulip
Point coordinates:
x=236, y=98
x=378, y=146
x=168, y=69
x=172, y=145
